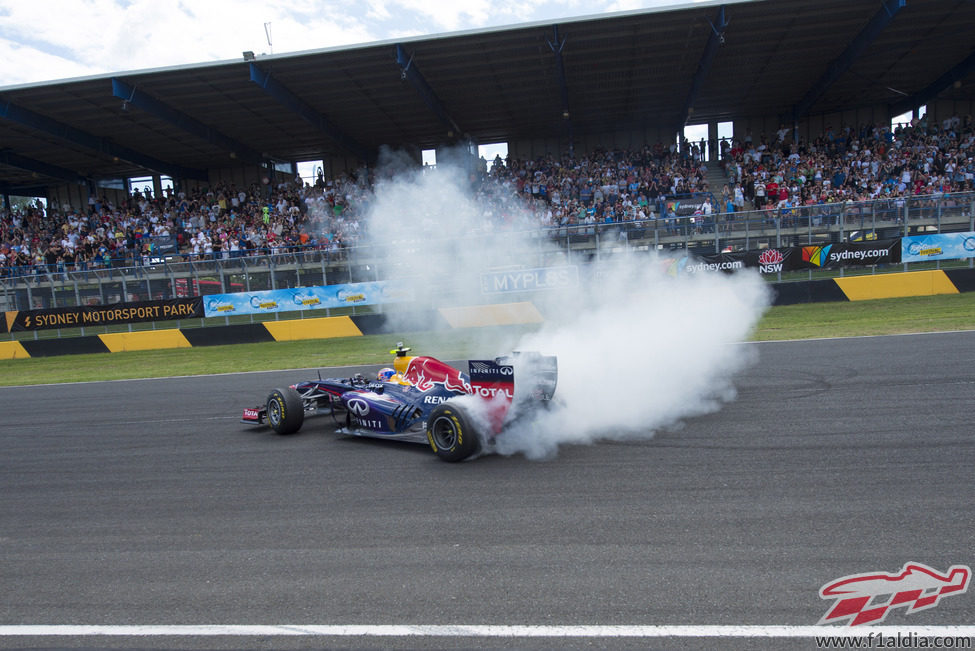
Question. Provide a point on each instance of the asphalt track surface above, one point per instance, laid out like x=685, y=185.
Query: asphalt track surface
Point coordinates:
x=147, y=502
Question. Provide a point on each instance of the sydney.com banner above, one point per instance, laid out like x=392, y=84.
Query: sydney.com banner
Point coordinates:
x=305, y=298
x=800, y=258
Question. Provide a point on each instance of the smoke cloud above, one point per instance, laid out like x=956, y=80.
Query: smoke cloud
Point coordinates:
x=639, y=348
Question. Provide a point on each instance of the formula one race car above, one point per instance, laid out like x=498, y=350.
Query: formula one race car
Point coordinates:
x=422, y=400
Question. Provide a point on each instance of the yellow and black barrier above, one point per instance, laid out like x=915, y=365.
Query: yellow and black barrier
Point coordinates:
x=268, y=331
x=876, y=286
x=854, y=288
x=116, y=342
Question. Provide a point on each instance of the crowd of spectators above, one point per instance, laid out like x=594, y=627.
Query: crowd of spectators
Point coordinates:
x=222, y=221
x=764, y=173
x=852, y=164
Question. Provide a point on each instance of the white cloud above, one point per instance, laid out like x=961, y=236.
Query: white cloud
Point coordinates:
x=41, y=41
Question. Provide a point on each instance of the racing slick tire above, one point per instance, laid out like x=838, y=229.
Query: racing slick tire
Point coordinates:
x=451, y=432
x=285, y=411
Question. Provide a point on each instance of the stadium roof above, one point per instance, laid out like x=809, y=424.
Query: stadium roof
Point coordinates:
x=615, y=72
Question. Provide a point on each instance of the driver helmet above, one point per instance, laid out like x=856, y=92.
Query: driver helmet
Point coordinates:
x=385, y=374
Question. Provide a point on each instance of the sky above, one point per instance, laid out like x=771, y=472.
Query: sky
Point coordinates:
x=44, y=40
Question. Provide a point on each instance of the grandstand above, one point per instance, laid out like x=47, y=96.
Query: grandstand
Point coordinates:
x=592, y=111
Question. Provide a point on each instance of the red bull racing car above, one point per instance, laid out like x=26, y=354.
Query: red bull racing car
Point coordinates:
x=420, y=399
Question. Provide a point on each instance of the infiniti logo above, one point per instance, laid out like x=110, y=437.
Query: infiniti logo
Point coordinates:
x=358, y=406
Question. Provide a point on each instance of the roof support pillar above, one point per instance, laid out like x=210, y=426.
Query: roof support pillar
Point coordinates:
x=28, y=118
x=884, y=16
x=40, y=167
x=715, y=39
x=956, y=74
x=289, y=100
x=557, y=45
x=135, y=97
x=410, y=71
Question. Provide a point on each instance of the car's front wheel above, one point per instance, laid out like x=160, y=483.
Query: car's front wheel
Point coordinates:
x=285, y=411
x=451, y=432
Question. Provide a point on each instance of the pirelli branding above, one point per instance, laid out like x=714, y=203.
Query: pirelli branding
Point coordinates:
x=95, y=315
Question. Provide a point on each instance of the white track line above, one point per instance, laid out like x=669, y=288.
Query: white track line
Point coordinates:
x=482, y=631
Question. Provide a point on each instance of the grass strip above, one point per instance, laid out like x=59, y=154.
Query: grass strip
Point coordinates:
x=879, y=317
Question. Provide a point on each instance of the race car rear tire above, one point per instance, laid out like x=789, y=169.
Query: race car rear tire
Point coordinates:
x=285, y=411
x=451, y=432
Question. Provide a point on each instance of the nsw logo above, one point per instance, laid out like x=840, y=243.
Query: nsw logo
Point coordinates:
x=868, y=598
x=770, y=261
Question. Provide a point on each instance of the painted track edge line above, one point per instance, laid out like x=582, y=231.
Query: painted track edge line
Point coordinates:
x=460, y=630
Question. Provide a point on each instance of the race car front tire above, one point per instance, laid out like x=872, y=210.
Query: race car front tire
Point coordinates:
x=451, y=432
x=285, y=411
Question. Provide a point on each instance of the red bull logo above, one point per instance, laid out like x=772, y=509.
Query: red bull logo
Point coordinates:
x=867, y=598
x=425, y=372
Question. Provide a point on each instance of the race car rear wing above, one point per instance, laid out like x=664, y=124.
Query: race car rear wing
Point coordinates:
x=537, y=376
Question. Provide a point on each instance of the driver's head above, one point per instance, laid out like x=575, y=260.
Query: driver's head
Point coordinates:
x=385, y=374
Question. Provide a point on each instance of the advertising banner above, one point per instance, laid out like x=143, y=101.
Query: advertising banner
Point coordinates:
x=529, y=280
x=851, y=254
x=96, y=315
x=943, y=246
x=768, y=261
x=800, y=258
x=306, y=298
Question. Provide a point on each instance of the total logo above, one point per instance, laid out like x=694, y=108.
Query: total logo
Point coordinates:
x=490, y=392
x=770, y=261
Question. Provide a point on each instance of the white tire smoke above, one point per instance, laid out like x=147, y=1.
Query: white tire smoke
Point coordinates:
x=638, y=349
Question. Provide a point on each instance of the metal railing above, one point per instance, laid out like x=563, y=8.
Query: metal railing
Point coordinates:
x=174, y=276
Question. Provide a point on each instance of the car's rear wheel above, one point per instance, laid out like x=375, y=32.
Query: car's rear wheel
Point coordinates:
x=451, y=432
x=285, y=411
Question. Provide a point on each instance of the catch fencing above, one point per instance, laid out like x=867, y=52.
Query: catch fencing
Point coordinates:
x=173, y=277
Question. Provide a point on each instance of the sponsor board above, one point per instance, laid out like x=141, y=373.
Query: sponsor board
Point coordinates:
x=306, y=298
x=92, y=315
x=942, y=246
x=843, y=254
x=794, y=258
x=529, y=280
x=721, y=262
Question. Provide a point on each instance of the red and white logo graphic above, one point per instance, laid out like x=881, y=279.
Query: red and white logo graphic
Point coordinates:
x=425, y=372
x=771, y=256
x=770, y=261
x=867, y=598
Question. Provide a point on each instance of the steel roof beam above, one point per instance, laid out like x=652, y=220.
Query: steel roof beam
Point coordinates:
x=290, y=100
x=957, y=73
x=409, y=70
x=715, y=39
x=131, y=95
x=52, y=127
x=557, y=45
x=24, y=190
x=39, y=167
x=884, y=16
